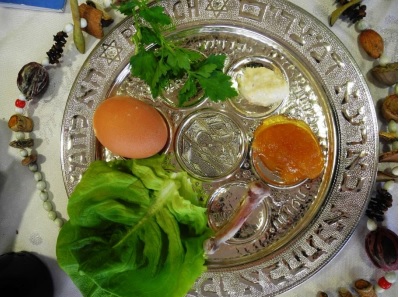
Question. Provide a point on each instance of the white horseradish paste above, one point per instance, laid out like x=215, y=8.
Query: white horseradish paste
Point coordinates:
x=262, y=86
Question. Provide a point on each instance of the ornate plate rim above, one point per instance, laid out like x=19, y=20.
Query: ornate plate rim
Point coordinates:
x=352, y=108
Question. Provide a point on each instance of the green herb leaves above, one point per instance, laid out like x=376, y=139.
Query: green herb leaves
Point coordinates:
x=136, y=228
x=159, y=61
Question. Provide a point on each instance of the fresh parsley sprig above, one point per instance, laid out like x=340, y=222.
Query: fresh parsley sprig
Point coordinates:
x=159, y=61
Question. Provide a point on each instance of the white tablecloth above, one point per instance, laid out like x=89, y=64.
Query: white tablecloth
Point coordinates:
x=26, y=36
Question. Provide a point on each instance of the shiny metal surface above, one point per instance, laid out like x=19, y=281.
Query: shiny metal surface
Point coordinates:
x=301, y=228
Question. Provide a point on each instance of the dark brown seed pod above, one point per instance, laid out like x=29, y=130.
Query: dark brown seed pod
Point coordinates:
x=32, y=79
x=378, y=205
x=20, y=123
x=31, y=159
x=382, y=248
x=391, y=156
x=23, y=143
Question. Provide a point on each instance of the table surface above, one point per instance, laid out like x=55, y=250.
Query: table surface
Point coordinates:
x=26, y=36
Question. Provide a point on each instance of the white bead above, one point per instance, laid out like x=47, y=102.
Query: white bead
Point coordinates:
x=68, y=28
x=59, y=222
x=46, y=61
x=395, y=146
x=378, y=289
x=83, y=23
x=395, y=170
x=23, y=153
x=41, y=185
x=389, y=185
x=47, y=205
x=19, y=110
x=107, y=3
x=391, y=277
x=38, y=176
x=362, y=25
x=33, y=167
x=384, y=59
x=371, y=225
x=392, y=126
x=52, y=215
x=22, y=97
x=19, y=135
x=43, y=196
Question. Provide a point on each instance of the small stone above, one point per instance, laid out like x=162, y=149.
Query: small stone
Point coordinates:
x=391, y=277
x=41, y=185
x=362, y=25
x=395, y=170
x=23, y=153
x=389, y=185
x=384, y=59
x=33, y=167
x=68, y=28
x=52, y=215
x=38, y=176
x=47, y=205
x=19, y=135
x=371, y=225
x=59, y=222
x=43, y=195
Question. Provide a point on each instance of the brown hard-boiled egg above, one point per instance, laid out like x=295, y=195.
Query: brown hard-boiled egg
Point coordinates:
x=129, y=127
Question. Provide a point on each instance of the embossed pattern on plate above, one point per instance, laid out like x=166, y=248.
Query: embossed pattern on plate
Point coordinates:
x=299, y=229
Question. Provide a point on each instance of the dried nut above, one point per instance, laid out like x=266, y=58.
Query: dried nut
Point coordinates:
x=382, y=248
x=364, y=288
x=106, y=19
x=386, y=74
x=343, y=292
x=391, y=156
x=385, y=176
x=29, y=160
x=372, y=43
x=20, y=123
x=322, y=294
x=95, y=18
x=389, y=107
x=23, y=143
x=388, y=136
x=32, y=79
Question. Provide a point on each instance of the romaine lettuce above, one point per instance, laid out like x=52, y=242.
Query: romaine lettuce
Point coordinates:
x=136, y=228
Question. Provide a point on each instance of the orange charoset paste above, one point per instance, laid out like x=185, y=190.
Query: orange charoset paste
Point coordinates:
x=288, y=148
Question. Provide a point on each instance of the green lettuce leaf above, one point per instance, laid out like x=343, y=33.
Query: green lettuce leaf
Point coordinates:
x=136, y=228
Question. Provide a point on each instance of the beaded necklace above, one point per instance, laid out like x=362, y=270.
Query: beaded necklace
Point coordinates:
x=32, y=81
x=376, y=241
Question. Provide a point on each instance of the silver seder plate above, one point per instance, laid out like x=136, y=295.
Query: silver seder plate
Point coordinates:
x=298, y=230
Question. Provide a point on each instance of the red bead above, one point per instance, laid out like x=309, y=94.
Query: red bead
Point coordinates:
x=383, y=283
x=20, y=103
